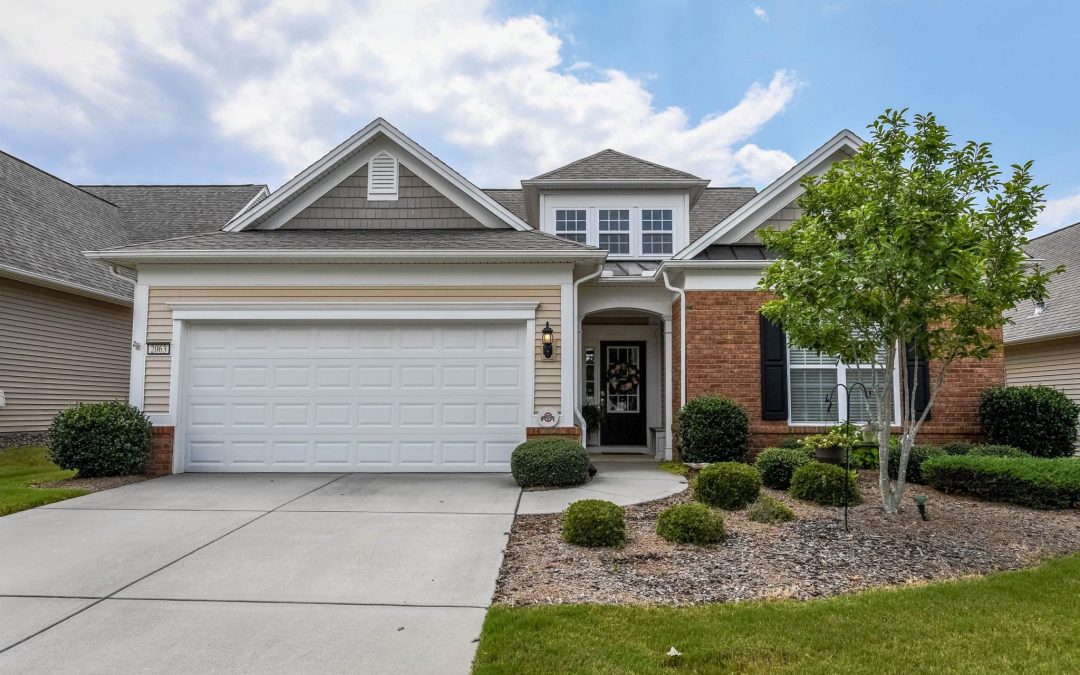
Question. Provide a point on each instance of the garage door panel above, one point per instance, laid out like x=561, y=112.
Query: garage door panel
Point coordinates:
x=369, y=397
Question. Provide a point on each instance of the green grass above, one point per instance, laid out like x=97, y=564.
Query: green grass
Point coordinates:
x=1024, y=621
x=675, y=467
x=19, y=467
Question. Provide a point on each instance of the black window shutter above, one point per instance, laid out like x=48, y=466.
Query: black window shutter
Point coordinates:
x=774, y=395
x=920, y=366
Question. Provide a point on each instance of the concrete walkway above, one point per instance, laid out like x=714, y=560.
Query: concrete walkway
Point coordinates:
x=255, y=573
x=622, y=479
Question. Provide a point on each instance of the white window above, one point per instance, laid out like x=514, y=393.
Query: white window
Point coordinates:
x=615, y=231
x=656, y=231
x=813, y=377
x=572, y=224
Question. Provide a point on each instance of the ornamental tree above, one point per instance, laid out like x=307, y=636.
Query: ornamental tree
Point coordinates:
x=911, y=249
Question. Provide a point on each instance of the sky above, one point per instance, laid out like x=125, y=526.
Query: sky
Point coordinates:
x=230, y=91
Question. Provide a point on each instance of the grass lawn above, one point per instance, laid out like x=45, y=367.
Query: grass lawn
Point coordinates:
x=1025, y=621
x=21, y=466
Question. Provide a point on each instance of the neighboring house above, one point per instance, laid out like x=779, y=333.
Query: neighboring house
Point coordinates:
x=379, y=312
x=65, y=319
x=1042, y=344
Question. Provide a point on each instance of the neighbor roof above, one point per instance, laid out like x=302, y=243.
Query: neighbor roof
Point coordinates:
x=614, y=165
x=1061, y=312
x=152, y=212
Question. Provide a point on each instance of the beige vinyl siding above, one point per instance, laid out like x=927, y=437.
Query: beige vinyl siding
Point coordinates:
x=1055, y=363
x=159, y=322
x=58, y=348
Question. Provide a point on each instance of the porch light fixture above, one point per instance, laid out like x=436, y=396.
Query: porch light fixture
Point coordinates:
x=547, y=338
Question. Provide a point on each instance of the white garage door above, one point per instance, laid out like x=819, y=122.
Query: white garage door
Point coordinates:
x=353, y=397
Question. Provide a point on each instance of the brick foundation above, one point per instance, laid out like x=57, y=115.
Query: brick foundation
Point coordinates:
x=161, y=452
x=569, y=433
x=723, y=359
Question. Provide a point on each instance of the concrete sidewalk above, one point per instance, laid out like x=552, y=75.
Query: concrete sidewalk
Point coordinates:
x=621, y=479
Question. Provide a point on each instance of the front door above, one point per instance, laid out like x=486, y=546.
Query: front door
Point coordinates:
x=622, y=393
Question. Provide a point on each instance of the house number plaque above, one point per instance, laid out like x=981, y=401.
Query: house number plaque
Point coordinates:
x=158, y=348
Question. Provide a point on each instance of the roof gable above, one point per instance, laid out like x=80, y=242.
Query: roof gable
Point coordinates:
x=1060, y=316
x=614, y=165
x=347, y=159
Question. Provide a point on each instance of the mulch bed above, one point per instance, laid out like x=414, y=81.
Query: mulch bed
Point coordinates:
x=94, y=484
x=811, y=557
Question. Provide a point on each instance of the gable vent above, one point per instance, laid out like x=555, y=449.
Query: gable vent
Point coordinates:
x=382, y=177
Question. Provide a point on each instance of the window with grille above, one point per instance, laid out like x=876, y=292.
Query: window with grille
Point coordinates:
x=812, y=378
x=656, y=231
x=571, y=224
x=615, y=230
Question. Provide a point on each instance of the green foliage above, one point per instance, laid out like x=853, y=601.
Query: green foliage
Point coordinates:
x=997, y=451
x=593, y=415
x=691, y=524
x=957, y=448
x=1039, y=420
x=778, y=464
x=825, y=484
x=21, y=470
x=790, y=442
x=769, y=510
x=549, y=462
x=842, y=437
x=864, y=457
x=1032, y=481
x=727, y=485
x=919, y=454
x=674, y=467
x=713, y=429
x=100, y=439
x=594, y=522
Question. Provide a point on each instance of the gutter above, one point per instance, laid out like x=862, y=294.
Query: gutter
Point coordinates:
x=59, y=285
x=578, y=416
x=345, y=254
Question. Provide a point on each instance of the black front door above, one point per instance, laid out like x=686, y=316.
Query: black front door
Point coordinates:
x=622, y=393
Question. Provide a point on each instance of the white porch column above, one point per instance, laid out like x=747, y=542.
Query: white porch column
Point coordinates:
x=568, y=357
x=137, y=374
x=668, y=406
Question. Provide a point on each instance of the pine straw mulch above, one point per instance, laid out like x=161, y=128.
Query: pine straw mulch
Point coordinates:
x=810, y=557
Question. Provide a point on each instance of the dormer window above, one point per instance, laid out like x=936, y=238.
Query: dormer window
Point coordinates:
x=656, y=231
x=615, y=231
x=572, y=224
x=382, y=177
x=626, y=225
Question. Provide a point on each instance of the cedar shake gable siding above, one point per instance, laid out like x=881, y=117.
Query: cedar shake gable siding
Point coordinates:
x=723, y=346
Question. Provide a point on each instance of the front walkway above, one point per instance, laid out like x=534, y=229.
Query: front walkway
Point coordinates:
x=624, y=480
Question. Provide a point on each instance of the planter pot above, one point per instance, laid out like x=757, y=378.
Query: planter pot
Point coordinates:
x=830, y=455
x=869, y=434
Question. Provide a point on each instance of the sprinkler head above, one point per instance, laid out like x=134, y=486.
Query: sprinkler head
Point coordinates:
x=920, y=501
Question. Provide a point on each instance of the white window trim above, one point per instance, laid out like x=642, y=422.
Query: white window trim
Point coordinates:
x=593, y=203
x=383, y=196
x=841, y=399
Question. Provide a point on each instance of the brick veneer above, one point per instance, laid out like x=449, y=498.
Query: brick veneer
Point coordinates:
x=723, y=358
x=569, y=433
x=161, y=452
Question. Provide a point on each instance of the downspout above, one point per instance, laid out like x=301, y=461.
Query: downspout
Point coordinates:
x=577, y=357
x=115, y=271
x=682, y=336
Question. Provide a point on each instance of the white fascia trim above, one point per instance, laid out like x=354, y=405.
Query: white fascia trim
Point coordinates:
x=713, y=265
x=845, y=140
x=351, y=311
x=60, y=285
x=344, y=254
x=1071, y=332
x=261, y=194
x=376, y=127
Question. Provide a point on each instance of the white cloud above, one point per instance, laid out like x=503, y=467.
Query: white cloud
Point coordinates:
x=1059, y=213
x=288, y=80
x=760, y=13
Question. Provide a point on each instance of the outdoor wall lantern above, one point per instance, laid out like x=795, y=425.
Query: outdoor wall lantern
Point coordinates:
x=547, y=338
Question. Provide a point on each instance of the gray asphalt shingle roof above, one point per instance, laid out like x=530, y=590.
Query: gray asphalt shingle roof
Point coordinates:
x=159, y=211
x=1061, y=312
x=715, y=204
x=512, y=199
x=613, y=165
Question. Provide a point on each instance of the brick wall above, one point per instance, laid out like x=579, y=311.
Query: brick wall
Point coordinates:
x=161, y=452
x=723, y=358
x=569, y=433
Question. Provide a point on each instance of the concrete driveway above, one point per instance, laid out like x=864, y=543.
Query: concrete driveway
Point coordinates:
x=256, y=573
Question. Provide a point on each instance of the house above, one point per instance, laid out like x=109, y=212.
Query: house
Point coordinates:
x=65, y=319
x=1042, y=344
x=379, y=312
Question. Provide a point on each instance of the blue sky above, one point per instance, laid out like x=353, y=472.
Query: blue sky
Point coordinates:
x=233, y=91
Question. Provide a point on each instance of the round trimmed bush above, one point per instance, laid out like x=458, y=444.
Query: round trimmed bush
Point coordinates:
x=769, y=510
x=100, y=439
x=691, y=524
x=727, y=485
x=824, y=484
x=777, y=464
x=919, y=454
x=594, y=522
x=549, y=462
x=713, y=429
x=1039, y=420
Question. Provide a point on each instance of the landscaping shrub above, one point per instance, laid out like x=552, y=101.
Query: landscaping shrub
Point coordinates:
x=594, y=522
x=769, y=510
x=691, y=524
x=777, y=464
x=957, y=448
x=996, y=451
x=1039, y=420
x=554, y=462
x=1027, y=481
x=100, y=439
x=713, y=429
x=824, y=484
x=864, y=457
x=919, y=454
x=727, y=485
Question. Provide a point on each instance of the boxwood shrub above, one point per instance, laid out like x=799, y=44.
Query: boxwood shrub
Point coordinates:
x=691, y=524
x=769, y=510
x=1039, y=420
x=727, y=485
x=713, y=429
x=778, y=464
x=825, y=484
x=996, y=451
x=551, y=462
x=1027, y=481
x=919, y=454
x=100, y=439
x=594, y=522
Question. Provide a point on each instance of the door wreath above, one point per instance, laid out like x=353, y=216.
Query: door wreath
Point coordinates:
x=622, y=378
